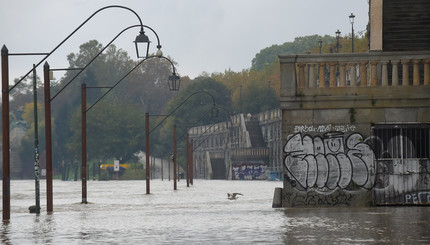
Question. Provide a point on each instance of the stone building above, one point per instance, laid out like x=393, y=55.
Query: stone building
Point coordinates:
x=244, y=147
x=361, y=136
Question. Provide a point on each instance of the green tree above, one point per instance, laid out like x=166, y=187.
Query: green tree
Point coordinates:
x=193, y=107
x=114, y=131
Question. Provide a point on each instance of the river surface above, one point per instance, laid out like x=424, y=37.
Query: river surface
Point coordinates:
x=121, y=213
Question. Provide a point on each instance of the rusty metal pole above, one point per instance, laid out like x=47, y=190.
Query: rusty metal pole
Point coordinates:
x=5, y=132
x=147, y=152
x=84, y=142
x=48, y=137
x=187, y=162
x=191, y=162
x=162, y=177
x=168, y=167
x=174, y=158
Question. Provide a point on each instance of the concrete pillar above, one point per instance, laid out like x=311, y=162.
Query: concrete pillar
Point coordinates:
x=288, y=77
x=277, y=198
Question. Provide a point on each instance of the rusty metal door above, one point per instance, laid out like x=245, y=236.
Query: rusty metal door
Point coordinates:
x=402, y=164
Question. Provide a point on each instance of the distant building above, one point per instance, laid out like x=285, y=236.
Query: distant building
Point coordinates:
x=246, y=147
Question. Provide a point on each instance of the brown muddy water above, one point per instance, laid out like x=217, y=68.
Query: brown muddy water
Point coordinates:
x=121, y=213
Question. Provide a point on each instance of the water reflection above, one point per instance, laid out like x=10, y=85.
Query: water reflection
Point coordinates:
x=121, y=213
x=381, y=225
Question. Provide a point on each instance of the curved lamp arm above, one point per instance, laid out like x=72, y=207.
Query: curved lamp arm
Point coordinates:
x=168, y=115
x=128, y=73
x=71, y=34
x=101, y=51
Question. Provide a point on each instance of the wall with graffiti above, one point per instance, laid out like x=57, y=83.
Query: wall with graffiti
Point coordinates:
x=249, y=171
x=327, y=169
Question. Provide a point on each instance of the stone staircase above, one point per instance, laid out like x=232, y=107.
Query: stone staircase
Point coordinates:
x=255, y=134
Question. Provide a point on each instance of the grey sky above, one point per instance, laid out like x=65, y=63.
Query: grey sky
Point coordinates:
x=201, y=35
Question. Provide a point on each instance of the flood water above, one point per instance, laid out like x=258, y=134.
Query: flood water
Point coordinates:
x=121, y=213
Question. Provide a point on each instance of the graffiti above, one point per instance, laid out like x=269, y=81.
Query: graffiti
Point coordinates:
x=324, y=128
x=312, y=199
x=249, y=171
x=330, y=162
x=418, y=198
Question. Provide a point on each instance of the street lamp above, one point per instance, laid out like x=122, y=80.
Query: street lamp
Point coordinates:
x=337, y=40
x=320, y=44
x=214, y=113
x=351, y=19
x=5, y=114
x=84, y=132
x=48, y=101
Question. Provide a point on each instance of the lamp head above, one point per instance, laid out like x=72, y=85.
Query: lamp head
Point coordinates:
x=337, y=33
x=174, y=82
x=320, y=43
x=351, y=18
x=141, y=40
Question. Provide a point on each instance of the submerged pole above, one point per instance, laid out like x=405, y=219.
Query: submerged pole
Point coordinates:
x=36, y=143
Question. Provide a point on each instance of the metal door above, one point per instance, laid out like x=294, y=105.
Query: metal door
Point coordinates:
x=402, y=164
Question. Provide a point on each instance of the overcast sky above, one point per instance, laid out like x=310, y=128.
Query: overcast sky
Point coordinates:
x=201, y=35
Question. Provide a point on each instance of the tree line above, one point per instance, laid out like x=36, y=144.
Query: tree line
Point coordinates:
x=116, y=124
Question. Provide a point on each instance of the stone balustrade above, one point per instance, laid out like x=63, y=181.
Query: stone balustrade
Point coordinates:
x=371, y=69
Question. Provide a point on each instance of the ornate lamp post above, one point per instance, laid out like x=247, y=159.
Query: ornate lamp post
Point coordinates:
x=5, y=114
x=320, y=45
x=337, y=40
x=174, y=82
x=351, y=19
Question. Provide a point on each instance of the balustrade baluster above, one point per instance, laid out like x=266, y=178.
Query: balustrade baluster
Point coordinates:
x=322, y=75
x=405, y=70
x=427, y=72
x=384, y=73
x=353, y=75
x=363, y=73
x=374, y=75
x=301, y=75
x=332, y=74
x=342, y=79
x=311, y=75
x=416, y=78
x=395, y=73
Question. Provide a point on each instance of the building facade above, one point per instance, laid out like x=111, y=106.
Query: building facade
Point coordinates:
x=356, y=127
x=245, y=147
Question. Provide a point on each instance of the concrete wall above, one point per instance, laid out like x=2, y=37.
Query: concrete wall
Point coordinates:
x=329, y=157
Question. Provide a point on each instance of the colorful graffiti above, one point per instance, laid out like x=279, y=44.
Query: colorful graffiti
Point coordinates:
x=328, y=163
x=249, y=171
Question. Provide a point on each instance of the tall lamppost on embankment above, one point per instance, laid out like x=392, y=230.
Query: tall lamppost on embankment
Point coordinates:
x=5, y=113
x=174, y=82
x=174, y=155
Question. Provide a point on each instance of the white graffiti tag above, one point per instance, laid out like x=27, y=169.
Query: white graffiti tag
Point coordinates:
x=323, y=128
x=329, y=162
